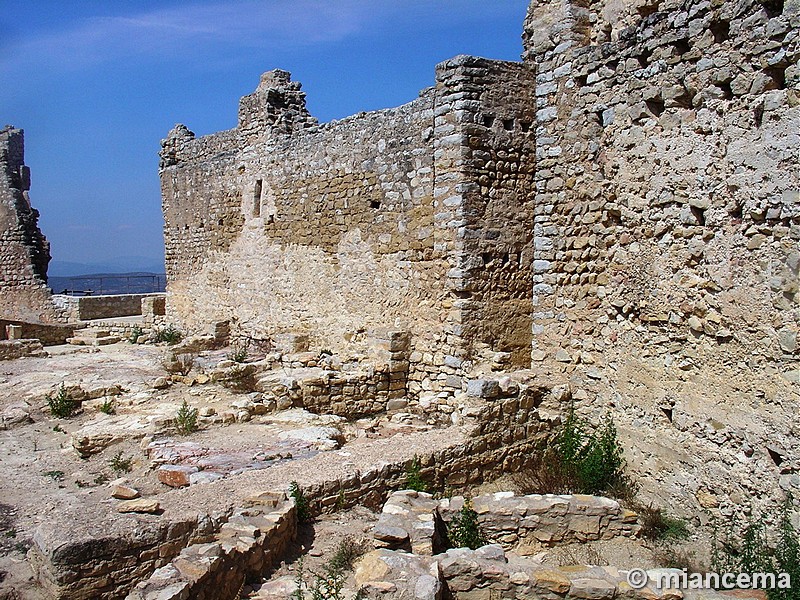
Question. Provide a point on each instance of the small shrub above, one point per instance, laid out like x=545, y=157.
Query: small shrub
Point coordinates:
x=414, y=479
x=61, y=404
x=107, y=407
x=669, y=556
x=300, y=503
x=464, y=531
x=583, y=554
x=186, y=419
x=135, y=334
x=178, y=364
x=101, y=479
x=657, y=525
x=240, y=353
x=169, y=334
x=751, y=553
x=121, y=465
x=327, y=584
x=579, y=462
x=240, y=379
x=348, y=551
x=54, y=475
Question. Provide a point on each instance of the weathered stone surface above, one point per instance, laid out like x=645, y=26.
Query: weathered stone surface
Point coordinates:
x=15, y=414
x=24, y=251
x=139, y=505
x=323, y=438
x=175, y=475
x=400, y=574
x=123, y=492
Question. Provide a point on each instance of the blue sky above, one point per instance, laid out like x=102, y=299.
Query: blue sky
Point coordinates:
x=96, y=84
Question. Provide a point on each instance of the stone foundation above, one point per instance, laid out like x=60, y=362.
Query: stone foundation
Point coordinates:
x=11, y=349
x=253, y=540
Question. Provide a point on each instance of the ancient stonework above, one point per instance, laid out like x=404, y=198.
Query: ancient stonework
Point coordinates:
x=667, y=224
x=622, y=208
x=377, y=221
x=24, y=251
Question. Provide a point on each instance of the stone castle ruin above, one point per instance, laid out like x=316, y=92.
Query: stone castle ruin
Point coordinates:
x=630, y=190
x=610, y=224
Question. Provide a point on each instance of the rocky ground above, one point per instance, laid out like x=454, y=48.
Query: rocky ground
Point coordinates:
x=75, y=474
x=69, y=470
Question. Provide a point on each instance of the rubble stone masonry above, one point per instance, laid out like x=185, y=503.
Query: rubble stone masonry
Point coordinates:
x=667, y=228
x=413, y=218
x=668, y=187
x=24, y=251
x=622, y=206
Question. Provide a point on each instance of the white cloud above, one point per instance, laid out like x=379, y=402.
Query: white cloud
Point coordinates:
x=174, y=33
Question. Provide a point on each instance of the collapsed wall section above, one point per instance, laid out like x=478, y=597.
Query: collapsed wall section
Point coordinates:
x=668, y=231
x=24, y=251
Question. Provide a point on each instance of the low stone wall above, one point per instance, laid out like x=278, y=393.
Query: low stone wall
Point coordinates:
x=415, y=521
x=11, y=349
x=86, y=308
x=547, y=519
x=486, y=573
x=254, y=539
x=47, y=334
x=350, y=394
x=504, y=432
x=106, y=566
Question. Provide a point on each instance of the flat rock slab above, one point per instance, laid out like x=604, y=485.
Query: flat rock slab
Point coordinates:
x=215, y=463
x=322, y=438
x=175, y=475
x=140, y=505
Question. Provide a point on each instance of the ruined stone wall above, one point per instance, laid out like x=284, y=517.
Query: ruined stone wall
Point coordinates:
x=667, y=228
x=365, y=223
x=24, y=251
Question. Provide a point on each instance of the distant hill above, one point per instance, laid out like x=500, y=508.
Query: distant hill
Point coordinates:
x=119, y=265
x=135, y=282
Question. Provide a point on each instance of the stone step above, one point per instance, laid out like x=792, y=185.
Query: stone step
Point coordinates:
x=91, y=333
x=93, y=341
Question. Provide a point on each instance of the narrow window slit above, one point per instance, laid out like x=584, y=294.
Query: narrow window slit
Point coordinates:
x=257, y=198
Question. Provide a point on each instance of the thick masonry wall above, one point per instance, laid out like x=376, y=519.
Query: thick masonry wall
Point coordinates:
x=108, y=565
x=370, y=222
x=340, y=238
x=668, y=181
x=253, y=540
x=667, y=233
